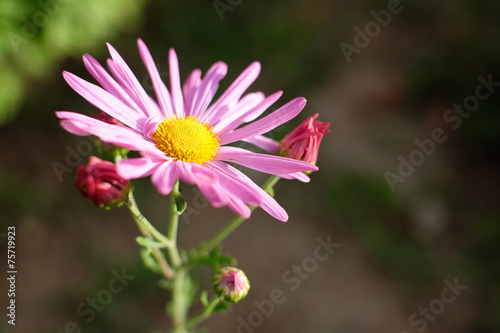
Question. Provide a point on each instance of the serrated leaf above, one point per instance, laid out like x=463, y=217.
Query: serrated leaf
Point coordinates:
x=214, y=258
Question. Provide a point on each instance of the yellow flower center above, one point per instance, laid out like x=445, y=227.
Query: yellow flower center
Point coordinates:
x=186, y=139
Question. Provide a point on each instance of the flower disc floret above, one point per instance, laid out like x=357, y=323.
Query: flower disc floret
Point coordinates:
x=186, y=139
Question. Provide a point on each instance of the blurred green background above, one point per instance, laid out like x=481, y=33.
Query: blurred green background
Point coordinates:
x=397, y=247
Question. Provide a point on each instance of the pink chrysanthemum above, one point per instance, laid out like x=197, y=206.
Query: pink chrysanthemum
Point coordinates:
x=183, y=135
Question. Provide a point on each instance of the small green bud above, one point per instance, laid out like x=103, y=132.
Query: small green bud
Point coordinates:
x=231, y=284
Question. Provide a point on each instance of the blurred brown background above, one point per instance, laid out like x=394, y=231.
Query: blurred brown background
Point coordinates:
x=400, y=248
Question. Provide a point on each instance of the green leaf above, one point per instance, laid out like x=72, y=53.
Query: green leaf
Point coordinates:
x=149, y=243
x=213, y=258
x=149, y=261
x=204, y=298
x=166, y=284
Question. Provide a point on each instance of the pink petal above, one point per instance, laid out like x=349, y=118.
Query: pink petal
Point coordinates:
x=150, y=126
x=275, y=165
x=109, y=83
x=226, y=115
x=140, y=96
x=250, y=114
x=161, y=90
x=265, y=143
x=267, y=123
x=103, y=100
x=235, y=90
x=272, y=207
x=209, y=87
x=268, y=203
x=82, y=125
x=299, y=176
x=175, y=84
x=132, y=168
x=190, y=90
x=254, y=112
x=235, y=186
x=122, y=79
x=207, y=181
x=239, y=207
x=216, y=194
x=165, y=177
x=186, y=172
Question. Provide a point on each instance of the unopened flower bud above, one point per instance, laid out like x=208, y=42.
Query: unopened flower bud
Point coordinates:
x=231, y=284
x=303, y=142
x=99, y=182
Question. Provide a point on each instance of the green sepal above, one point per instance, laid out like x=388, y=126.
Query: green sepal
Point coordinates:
x=222, y=306
x=180, y=202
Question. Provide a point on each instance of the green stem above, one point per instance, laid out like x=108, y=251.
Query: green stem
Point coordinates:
x=136, y=213
x=195, y=321
x=173, y=226
x=235, y=223
x=147, y=230
x=178, y=304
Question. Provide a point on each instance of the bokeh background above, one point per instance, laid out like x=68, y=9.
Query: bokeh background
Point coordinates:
x=396, y=247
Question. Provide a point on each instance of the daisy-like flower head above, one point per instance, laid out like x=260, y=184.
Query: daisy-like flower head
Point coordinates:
x=183, y=135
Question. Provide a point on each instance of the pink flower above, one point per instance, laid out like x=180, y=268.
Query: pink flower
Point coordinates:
x=303, y=142
x=99, y=182
x=184, y=134
x=231, y=284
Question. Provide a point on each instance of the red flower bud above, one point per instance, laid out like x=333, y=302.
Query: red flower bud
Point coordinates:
x=99, y=182
x=303, y=142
